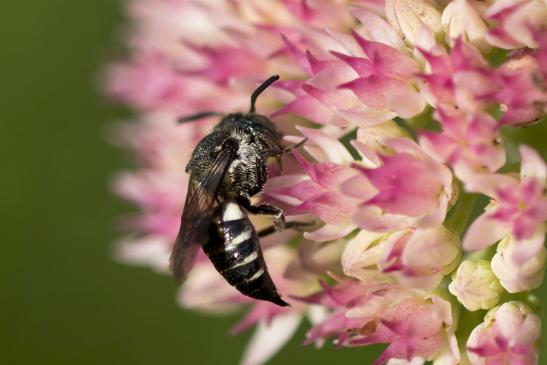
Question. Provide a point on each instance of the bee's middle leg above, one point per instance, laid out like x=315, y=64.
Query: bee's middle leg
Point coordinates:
x=266, y=209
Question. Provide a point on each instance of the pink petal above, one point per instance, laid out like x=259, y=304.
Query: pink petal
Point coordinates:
x=324, y=86
x=437, y=216
x=329, y=232
x=298, y=55
x=406, y=105
x=307, y=107
x=346, y=41
x=318, y=65
x=436, y=241
x=440, y=64
x=335, y=151
x=488, y=184
x=407, y=185
x=332, y=100
x=302, y=191
x=269, y=338
x=465, y=56
x=479, y=83
x=373, y=219
x=274, y=184
x=361, y=65
x=375, y=89
x=527, y=248
x=387, y=60
x=359, y=187
x=439, y=145
x=329, y=206
x=404, y=145
x=532, y=165
x=368, y=154
x=483, y=232
x=153, y=251
x=362, y=116
x=376, y=28
x=205, y=291
x=524, y=227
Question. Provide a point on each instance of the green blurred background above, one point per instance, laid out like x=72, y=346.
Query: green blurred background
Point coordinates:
x=63, y=299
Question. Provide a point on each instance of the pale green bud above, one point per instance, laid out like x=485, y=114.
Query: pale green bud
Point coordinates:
x=475, y=285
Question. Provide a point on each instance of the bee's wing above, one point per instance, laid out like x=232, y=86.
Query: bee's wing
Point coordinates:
x=197, y=212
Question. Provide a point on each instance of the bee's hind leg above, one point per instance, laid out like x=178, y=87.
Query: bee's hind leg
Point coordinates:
x=296, y=225
x=265, y=209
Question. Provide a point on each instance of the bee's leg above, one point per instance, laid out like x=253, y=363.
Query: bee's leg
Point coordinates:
x=197, y=116
x=296, y=145
x=266, y=209
x=278, y=153
x=280, y=164
x=296, y=225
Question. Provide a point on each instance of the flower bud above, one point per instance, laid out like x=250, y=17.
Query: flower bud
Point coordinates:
x=461, y=18
x=508, y=335
x=517, y=278
x=411, y=16
x=475, y=285
x=404, y=259
x=361, y=255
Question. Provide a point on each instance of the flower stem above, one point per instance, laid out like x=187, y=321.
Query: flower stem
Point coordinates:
x=468, y=322
x=461, y=213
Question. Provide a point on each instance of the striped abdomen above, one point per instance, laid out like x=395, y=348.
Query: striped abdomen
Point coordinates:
x=234, y=249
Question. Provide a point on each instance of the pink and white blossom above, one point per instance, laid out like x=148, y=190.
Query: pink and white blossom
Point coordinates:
x=509, y=334
x=398, y=257
x=414, y=326
x=413, y=190
x=515, y=277
x=404, y=260
x=469, y=140
x=516, y=22
x=519, y=208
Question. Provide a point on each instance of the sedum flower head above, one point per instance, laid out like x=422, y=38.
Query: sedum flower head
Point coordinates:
x=475, y=285
x=403, y=106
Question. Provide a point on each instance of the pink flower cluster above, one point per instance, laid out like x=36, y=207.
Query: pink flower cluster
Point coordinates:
x=403, y=104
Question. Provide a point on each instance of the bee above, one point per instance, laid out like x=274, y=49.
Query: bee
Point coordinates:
x=227, y=168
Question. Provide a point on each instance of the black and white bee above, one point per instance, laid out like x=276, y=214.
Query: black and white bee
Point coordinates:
x=227, y=168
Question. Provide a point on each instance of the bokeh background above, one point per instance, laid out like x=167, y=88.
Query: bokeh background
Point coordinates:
x=63, y=299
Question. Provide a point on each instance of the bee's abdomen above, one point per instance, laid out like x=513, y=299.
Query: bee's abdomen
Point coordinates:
x=234, y=250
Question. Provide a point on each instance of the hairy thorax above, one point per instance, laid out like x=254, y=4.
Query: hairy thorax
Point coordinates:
x=248, y=172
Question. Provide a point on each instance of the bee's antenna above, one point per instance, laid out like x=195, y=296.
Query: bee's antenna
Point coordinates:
x=197, y=116
x=260, y=89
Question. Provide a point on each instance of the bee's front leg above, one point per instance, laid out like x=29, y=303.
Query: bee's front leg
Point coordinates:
x=266, y=209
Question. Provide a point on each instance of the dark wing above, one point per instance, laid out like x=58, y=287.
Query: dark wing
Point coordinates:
x=196, y=216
